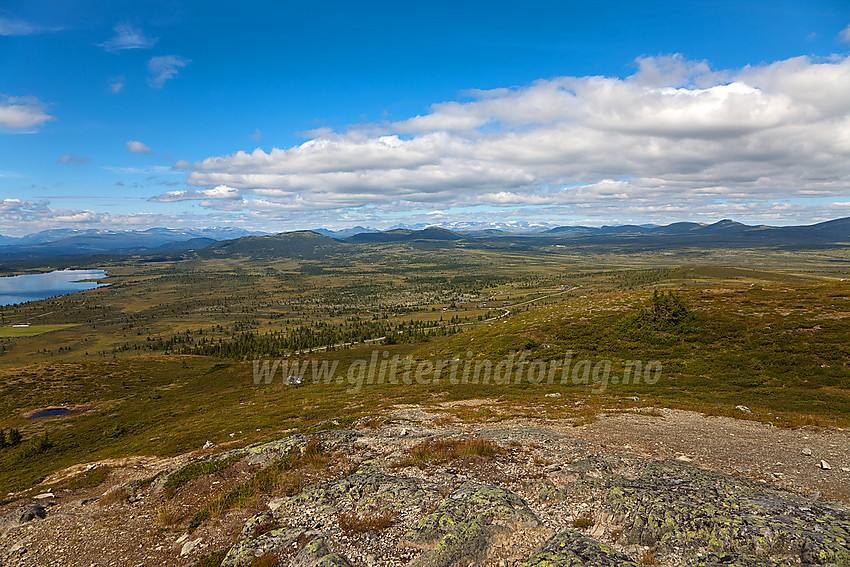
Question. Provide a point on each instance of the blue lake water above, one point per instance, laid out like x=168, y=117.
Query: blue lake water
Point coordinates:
x=32, y=287
x=50, y=413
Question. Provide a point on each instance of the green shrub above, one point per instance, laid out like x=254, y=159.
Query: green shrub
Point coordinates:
x=15, y=437
x=665, y=312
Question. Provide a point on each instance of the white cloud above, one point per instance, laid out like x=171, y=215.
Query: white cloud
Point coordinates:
x=126, y=37
x=220, y=192
x=136, y=147
x=13, y=27
x=22, y=113
x=844, y=35
x=162, y=68
x=70, y=159
x=675, y=136
x=117, y=84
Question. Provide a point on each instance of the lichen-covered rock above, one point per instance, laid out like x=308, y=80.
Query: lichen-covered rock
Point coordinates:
x=735, y=560
x=253, y=523
x=275, y=541
x=279, y=448
x=316, y=554
x=571, y=549
x=464, y=525
x=367, y=490
x=675, y=506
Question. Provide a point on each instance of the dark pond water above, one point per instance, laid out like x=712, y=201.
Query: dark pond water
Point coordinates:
x=50, y=413
x=32, y=287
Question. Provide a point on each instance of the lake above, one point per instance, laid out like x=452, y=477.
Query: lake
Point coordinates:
x=32, y=287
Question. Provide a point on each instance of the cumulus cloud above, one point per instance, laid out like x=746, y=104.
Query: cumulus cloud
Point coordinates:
x=220, y=192
x=126, y=37
x=675, y=136
x=162, y=68
x=136, y=147
x=22, y=113
x=70, y=159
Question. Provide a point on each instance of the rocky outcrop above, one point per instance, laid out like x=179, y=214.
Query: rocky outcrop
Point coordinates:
x=270, y=543
x=676, y=507
x=367, y=490
x=467, y=522
x=316, y=554
x=572, y=549
x=545, y=499
x=23, y=515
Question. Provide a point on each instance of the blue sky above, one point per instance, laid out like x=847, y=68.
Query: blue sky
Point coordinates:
x=277, y=115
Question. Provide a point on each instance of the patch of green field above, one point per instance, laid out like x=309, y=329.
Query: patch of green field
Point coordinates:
x=32, y=330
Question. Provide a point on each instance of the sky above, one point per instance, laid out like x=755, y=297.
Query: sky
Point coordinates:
x=281, y=115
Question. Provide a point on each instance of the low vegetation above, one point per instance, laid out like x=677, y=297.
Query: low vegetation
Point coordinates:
x=282, y=476
x=583, y=521
x=436, y=451
x=212, y=559
x=352, y=523
x=193, y=471
x=111, y=497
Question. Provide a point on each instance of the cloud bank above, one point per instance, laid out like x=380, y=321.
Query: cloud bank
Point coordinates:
x=676, y=136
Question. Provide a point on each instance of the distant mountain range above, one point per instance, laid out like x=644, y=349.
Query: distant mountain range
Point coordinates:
x=234, y=242
x=405, y=235
x=345, y=232
x=299, y=244
x=72, y=242
x=835, y=231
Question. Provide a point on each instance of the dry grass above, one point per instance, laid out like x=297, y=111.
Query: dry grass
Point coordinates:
x=312, y=455
x=649, y=558
x=444, y=450
x=167, y=515
x=540, y=461
x=290, y=483
x=283, y=476
x=265, y=561
x=265, y=527
x=352, y=523
x=583, y=521
x=112, y=497
x=369, y=423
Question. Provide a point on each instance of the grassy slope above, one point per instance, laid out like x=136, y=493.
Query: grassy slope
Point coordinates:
x=779, y=350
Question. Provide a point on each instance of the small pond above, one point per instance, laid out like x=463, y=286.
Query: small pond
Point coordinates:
x=50, y=413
